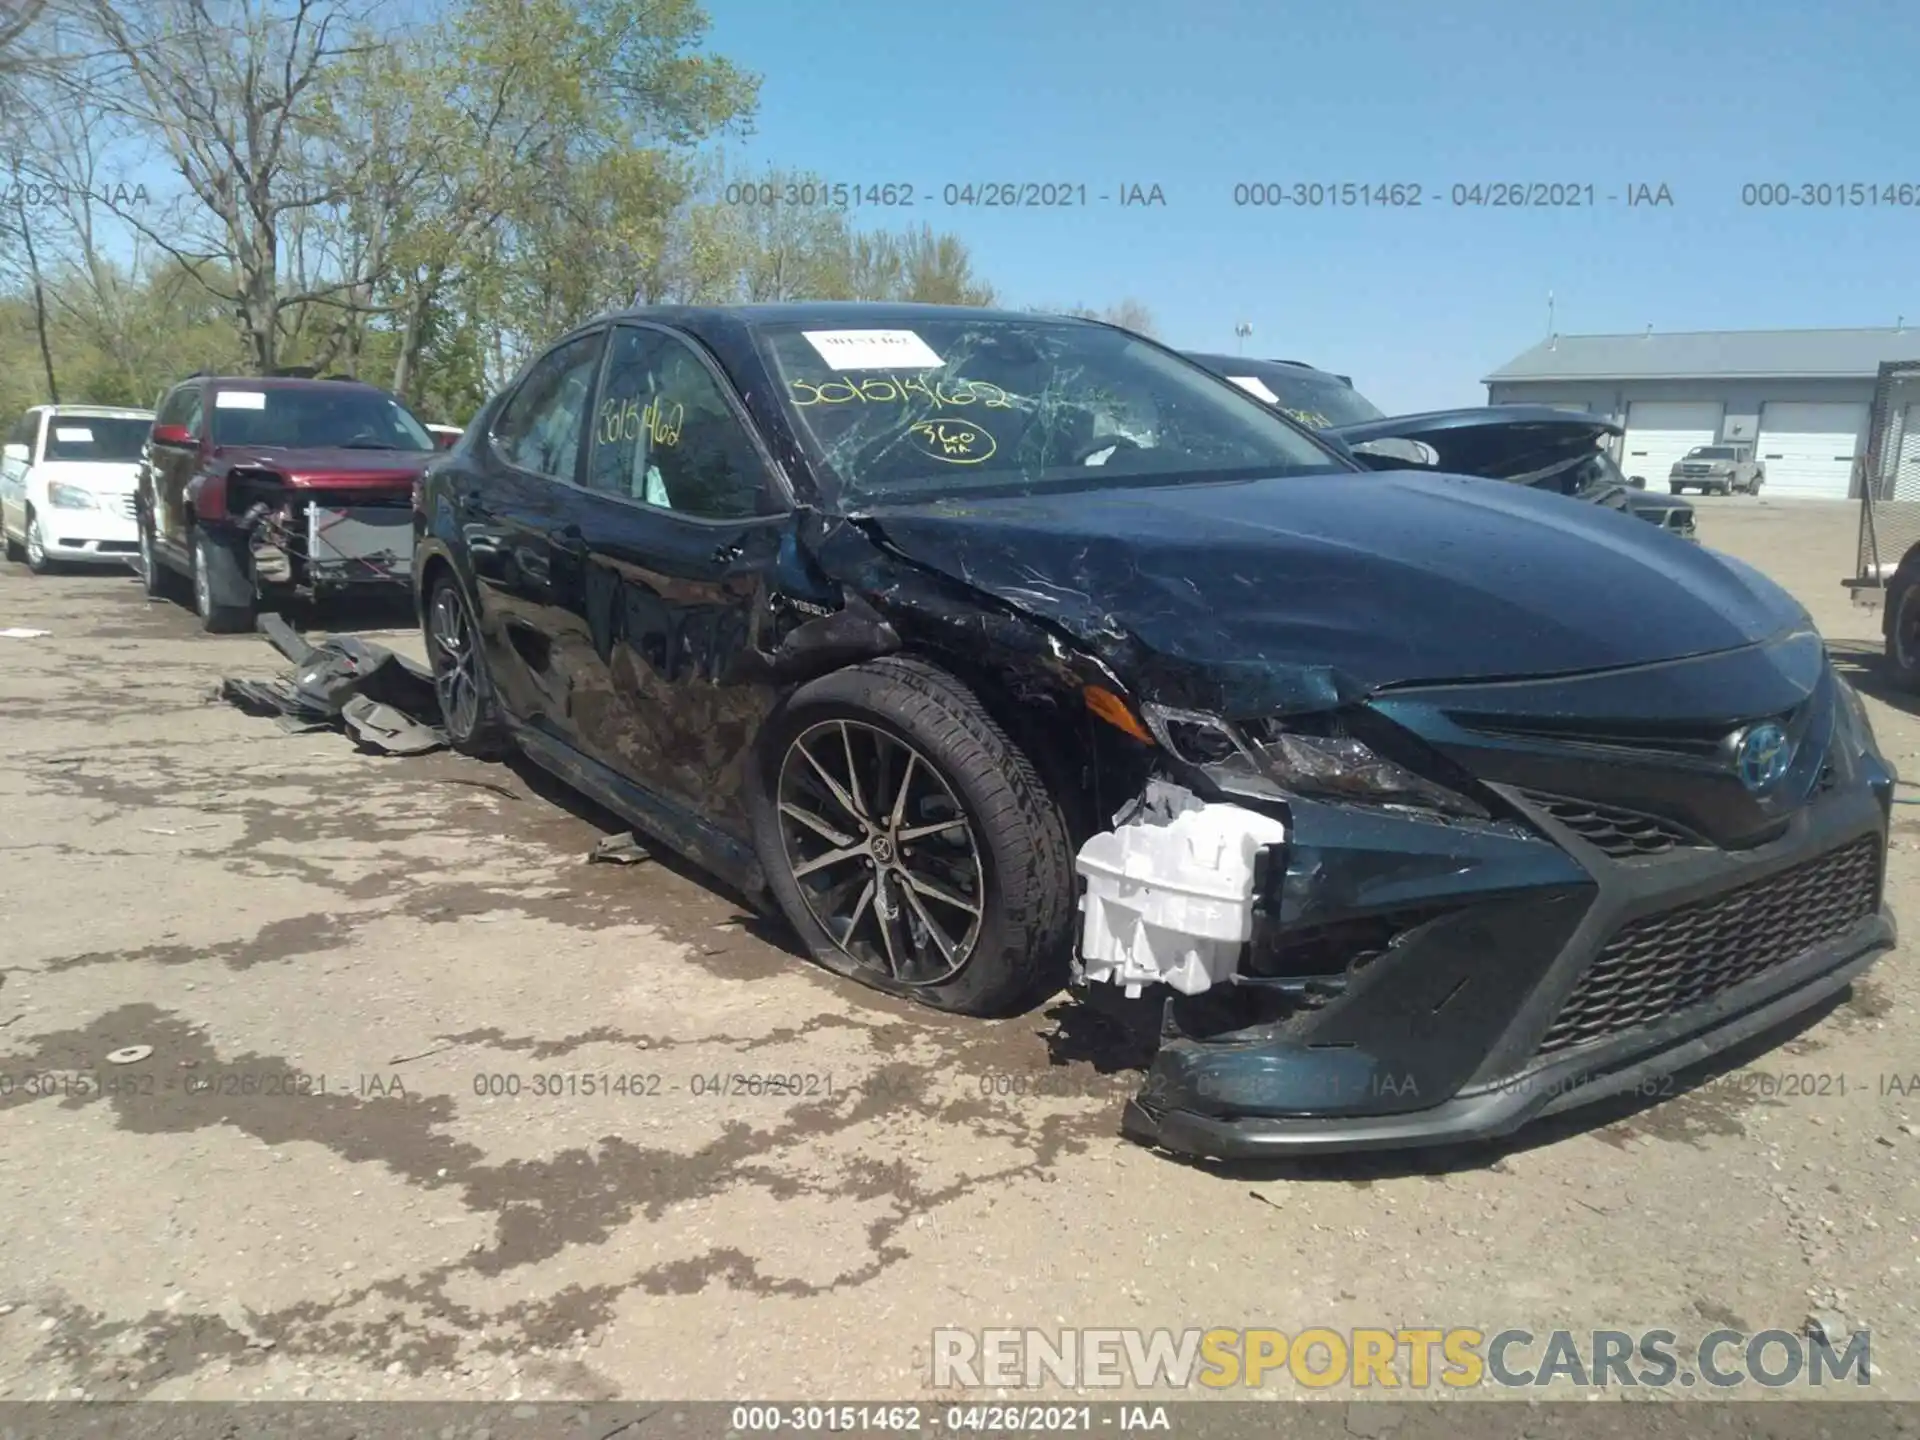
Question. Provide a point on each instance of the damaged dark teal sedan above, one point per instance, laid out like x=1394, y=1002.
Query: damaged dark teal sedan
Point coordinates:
x=1000, y=653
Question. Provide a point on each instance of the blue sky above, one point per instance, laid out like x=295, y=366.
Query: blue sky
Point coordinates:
x=1416, y=305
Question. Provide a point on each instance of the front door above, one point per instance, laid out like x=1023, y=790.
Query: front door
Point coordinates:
x=22, y=440
x=171, y=467
x=681, y=527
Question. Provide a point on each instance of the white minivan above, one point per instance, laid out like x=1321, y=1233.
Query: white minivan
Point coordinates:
x=67, y=485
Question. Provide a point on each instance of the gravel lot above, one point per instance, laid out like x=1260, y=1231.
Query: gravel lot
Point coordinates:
x=409, y=935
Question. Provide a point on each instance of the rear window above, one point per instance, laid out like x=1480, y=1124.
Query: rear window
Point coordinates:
x=95, y=437
x=315, y=418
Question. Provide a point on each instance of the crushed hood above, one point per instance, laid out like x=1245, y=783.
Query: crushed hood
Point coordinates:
x=1305, y=591
x=1501, y=441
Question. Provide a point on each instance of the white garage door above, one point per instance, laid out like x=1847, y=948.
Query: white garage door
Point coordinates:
x=1808, y=449
x=1906, y=475
x=1659, y=432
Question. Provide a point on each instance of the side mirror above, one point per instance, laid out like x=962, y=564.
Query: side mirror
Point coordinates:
x=1638, y=482
x=177, y=436
x=18, y=452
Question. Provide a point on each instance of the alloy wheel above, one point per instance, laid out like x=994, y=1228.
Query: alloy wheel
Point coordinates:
x=36, y=544
x=456, y=678
x=882, y=851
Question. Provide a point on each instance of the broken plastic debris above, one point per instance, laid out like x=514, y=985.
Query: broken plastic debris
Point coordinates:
x=1172, y=902
x=619, y=850
x=381, y=727
x=129, y=1055
x=16, y=633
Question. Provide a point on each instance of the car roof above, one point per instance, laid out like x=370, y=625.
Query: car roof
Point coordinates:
x=279, y=382
x=709, y=322
x=105, y=412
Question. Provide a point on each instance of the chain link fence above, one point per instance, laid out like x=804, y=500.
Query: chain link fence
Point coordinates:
x=1887, y=480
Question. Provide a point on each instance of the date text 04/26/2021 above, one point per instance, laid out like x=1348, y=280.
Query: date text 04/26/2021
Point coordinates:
x=975, y=1419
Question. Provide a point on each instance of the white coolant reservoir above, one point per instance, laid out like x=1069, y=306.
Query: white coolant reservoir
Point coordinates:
x=1171, y=902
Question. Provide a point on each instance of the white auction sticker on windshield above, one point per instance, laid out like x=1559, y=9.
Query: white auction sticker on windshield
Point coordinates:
x=873, y=349
x=240, y=400
x=73, y=434
x=1253, y=385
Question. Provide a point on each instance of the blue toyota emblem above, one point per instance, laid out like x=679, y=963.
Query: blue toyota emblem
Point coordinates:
x=1763, y=756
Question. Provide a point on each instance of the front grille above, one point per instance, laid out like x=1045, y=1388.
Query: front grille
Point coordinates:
x=129, y=507
x=1623, y=834
x=1663, y=964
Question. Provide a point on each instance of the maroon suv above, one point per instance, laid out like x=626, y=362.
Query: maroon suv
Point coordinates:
x=264, y=490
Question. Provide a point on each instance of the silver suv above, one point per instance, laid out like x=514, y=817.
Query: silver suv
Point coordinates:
x=1717, y=470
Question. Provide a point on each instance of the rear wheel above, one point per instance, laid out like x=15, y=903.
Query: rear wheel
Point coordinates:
x=222, y=588
x=468, y=710
x=911, y=843
x=16, y=552
x=1903, y=629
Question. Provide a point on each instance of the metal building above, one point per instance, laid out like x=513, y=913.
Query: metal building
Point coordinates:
x=1802, y=398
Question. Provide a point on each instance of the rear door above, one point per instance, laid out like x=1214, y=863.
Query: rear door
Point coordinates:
x=681, y=518
x=515, y=517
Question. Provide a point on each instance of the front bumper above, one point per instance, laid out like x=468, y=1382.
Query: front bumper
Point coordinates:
x=1535, y=972
x=109, y=535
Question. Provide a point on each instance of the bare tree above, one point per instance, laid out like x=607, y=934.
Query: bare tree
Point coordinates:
x=231, y=92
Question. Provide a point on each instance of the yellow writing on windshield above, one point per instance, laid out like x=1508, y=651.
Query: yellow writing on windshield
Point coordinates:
x=898, y=390
x=954, y=441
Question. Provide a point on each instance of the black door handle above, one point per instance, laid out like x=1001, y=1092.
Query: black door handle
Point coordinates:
x=729, y=552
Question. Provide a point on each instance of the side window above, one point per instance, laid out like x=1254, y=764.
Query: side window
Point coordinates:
x=180, y=408
x=664, y=434
x=195, y=417
x=542, y=426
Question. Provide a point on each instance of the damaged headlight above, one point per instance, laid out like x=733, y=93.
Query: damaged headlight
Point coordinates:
x=1314, y=756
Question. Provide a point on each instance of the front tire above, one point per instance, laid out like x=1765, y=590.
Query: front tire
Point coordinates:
x=1676, y=489
x=36, y=548
x=911, y=843
x=1903, y=629
x=222, y=589
x=469, y=712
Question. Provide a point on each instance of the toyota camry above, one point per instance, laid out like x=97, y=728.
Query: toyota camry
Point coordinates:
x=1001, y=652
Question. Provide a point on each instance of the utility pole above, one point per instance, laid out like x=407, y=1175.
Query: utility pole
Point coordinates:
x=1549, y=314
x=1241, y=332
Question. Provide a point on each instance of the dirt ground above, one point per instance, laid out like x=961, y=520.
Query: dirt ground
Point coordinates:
x=422, y=944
